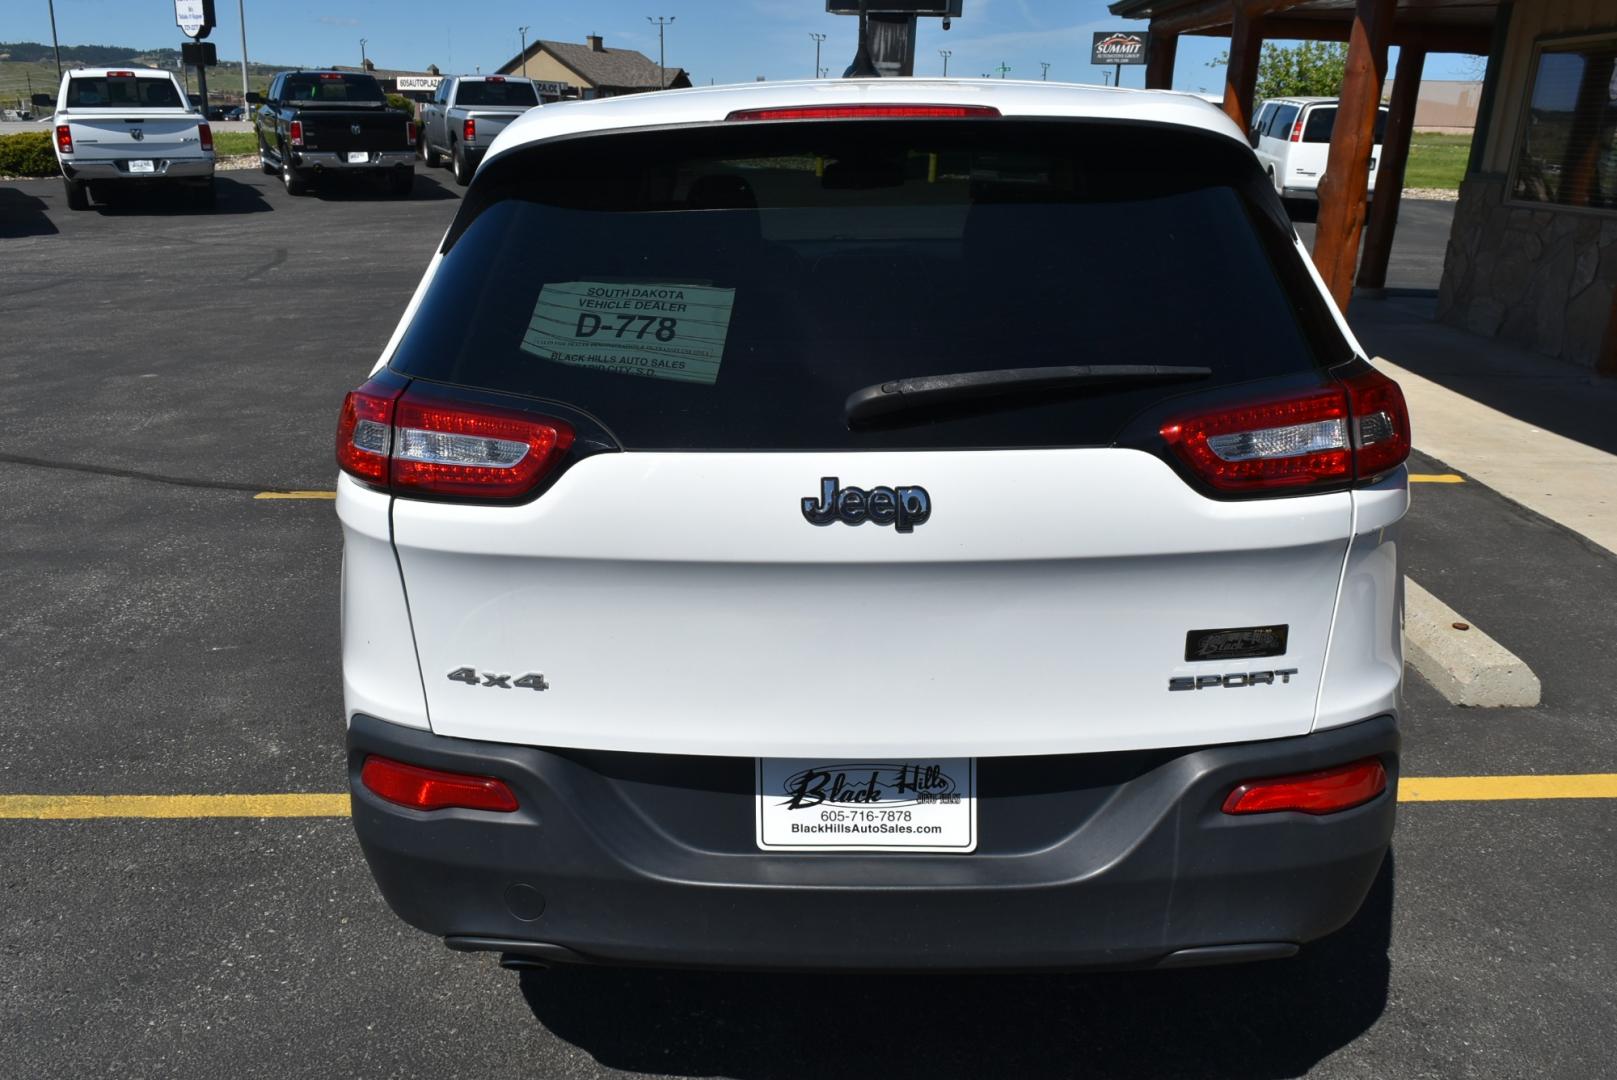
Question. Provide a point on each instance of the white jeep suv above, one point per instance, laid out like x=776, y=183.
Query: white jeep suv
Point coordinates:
x=893, y=523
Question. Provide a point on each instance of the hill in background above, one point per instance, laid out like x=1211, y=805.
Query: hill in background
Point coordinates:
x=29, y=67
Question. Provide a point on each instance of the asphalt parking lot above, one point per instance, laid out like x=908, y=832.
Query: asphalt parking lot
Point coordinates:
x=166, y=632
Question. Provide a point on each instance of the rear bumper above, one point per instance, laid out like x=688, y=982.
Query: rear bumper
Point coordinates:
x=118, y=169
x=1085, y=861
x=331, y=159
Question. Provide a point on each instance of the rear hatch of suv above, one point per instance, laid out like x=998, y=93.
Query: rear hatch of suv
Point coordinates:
x=792, y=490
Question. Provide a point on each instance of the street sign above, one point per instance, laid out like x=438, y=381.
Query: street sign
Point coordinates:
x=1119, y=47
x=194, y=17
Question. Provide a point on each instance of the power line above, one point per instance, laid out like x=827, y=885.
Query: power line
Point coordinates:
x=945, y=53
x=662, y=66
x=817, y=39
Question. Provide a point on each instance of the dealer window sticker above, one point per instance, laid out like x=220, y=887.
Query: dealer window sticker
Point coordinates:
x=658, y=330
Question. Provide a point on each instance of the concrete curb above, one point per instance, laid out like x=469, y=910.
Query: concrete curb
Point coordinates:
x=1466, y=666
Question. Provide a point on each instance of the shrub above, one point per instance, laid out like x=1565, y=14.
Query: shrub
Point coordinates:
x=399, y=101
x=27, y=153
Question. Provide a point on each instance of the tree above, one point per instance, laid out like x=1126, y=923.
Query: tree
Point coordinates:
x=1306, y=69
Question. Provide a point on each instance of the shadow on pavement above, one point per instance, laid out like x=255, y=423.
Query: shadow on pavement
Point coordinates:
x=366, y=189
x=22, y=214
x=1550, y=394
x=1274, y=1019
x=230, y=197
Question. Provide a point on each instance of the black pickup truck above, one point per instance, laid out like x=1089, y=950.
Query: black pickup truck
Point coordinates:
x=319, y=123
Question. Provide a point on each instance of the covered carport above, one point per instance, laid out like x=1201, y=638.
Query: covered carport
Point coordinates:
x=1371, y=28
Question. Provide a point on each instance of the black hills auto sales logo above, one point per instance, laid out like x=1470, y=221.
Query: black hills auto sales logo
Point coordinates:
x=867, y=784
x=1118, y=47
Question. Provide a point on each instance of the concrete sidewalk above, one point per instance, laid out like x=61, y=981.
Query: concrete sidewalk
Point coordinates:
x=1537, y=431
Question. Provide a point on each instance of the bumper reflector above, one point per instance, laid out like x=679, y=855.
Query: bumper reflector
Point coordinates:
x=433, y=789
x=1323, y=792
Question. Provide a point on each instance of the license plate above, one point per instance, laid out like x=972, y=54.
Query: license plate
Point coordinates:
x=143, y=166
x=358, y=159
x=892, y=804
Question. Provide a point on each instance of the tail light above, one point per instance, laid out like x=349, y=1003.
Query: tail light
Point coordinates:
x=206, y=133
x=295, y=133
x=409, y=132
x=469, y=132
x=495, y=78
x=120, y=74
x=1297, y=129
x=434, y=789
x=412, y=444
x=1356, y=430
x=1325, y=792
x=868, y=112
x=64, y=138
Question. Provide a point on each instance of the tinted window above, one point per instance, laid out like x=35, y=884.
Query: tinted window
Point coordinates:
x=328, y=87
x=1322, y=118
x=496, y=93
x=1568, y=149
x=117, y=92
x=1280, y=123
x=1261, y=124
x=729, y=287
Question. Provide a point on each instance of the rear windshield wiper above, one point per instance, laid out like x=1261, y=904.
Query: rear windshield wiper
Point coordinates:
x=928, y=391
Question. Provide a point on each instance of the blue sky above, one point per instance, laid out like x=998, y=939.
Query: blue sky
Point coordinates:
x=719, y=40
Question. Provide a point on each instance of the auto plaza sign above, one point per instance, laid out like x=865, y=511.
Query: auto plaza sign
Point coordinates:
x=1119, y=47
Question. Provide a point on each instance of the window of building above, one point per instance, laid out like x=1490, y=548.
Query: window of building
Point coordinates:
x=1568, y=150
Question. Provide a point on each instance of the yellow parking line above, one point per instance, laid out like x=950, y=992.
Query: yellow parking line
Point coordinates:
x=1411, y=789
x=296, y=495
x=1436, y=478
x=78, y=807
x=1492, y=788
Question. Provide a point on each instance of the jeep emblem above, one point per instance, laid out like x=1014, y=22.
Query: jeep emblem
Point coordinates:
x=901, y=507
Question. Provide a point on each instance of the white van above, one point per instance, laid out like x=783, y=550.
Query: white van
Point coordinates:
x=1292, y=137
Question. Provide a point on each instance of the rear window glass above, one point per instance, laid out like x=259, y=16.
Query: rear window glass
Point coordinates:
x=318, y=88
x=1322, y=120
x=495, y=93
x=117, y=92
x=1280, y=124
x=730, y=286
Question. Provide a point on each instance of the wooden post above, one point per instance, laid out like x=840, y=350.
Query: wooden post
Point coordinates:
x=1159, y=64
x=1346, y=182
x=1390, y=174
x=1241, y=74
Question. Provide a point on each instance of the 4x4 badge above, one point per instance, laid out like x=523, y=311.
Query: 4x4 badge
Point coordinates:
x=901, y=507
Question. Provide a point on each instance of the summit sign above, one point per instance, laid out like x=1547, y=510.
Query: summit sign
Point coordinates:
x=1119, y=47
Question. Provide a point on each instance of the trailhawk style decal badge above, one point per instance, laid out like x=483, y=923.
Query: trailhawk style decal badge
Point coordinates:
x=906, y=804
x=901, y=507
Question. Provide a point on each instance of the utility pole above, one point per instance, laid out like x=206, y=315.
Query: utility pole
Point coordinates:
x=57, y=45
x=241, y=15
x=362, y=44
x=662, y=66
x=1045, y=75
x=817, y=39
x=945, y=53
x=523, y=30
x=1003, y=68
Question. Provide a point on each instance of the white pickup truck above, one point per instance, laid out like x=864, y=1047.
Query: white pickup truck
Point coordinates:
x=461, y=120
x=119, y=127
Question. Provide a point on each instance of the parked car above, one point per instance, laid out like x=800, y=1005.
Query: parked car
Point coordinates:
x=1292, y=137
x=315, y=124
x=235, y=112
x=464, y=116
x=813, y=563
x=119, y=128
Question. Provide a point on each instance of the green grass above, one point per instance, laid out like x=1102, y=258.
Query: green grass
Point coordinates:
x=228, y=143
x=1437, y=161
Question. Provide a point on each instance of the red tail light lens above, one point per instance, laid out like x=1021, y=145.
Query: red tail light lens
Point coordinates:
x=470, y=130
x=1293, y=443
x=1381, y=432
x=445, y=448
x=414, y=444
x=1325, y=792
x=1355, y=431
x=495, y=78
x=64, y=138
x=120, y=74
x=409, y=132
x=1297, y=129
x=206, y=134
x=295, y=133
x=433, y=789
x=868, y=112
